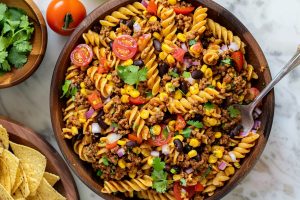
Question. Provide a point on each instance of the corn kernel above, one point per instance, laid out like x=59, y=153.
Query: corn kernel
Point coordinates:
x=83, y=92
x=188, y=94
x=134, y=93
x=127, y=62
x=82, y=85
x=136, y=150
x=171, y=125
x=121, y=142
x=163, y=55
x=163, y=96
x=128, y=88
x=218, y=153
x=145, y=114
x=181, y=37
x=172, y=2
x=169, y=87
x=157, y=35
x=132, y=173
x=153, y=19
x=212, y=159
x=156, y=129
x=229, y=171
x=237, y=165
x=213, y=83
x=176, y=177
x=112, y=35
x=122, y=163
x=146, y=152
x=125, y=98
x=203, y=68
x=180, y=137
x=194, y=90
x=218, y=135
x=166, y=48
x=109, y=77
x=74, y=130
x=82, y=120
x=192, y=153
x=150, y=161
x=178, y=94
x=123, y=91
x=170, y=59
x=194, y=142
x=208, y=73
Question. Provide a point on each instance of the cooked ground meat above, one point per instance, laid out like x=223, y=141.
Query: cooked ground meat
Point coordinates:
x=184, y=22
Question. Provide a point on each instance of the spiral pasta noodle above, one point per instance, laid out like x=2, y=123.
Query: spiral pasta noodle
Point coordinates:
x=168, y=24
x=199, y=21
x=211, y=56
x=152, y=195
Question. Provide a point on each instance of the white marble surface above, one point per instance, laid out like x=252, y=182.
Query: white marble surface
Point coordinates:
x=275, y=25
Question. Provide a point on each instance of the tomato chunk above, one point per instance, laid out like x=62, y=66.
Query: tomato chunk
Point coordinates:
x=125, y=47
x=137, y=101
x=180, y=123
x=253, y=93
x=238, y=59
x=183, y=10
x=161, y=139
x=95, y=100
x=112, y=145
x=135, y=138
x=82, y=55
x=178, y=54
x=152, y=7
x=103, y=66
x=177, y=191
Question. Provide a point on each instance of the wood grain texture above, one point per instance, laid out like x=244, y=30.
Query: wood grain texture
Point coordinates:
x=39, y=44
x=216, y=12
x=55, y=164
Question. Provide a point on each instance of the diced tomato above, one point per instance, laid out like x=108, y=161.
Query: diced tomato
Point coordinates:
x=180, y=123
x=199, y=187
x=177, y=191
x=178, y=54
x=95, y=100
x=135, y=138
x=82, y=55
x=253, y=93
x=161, y=139
x=152, y=7
x=103, y=66
x=143, y=41
x=125, y=47
x=238, y=59
x=112, y=145
x=191, y=191
x=137, y=101
x=183, y=10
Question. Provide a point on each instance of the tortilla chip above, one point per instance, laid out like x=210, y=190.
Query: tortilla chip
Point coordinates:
x=33, y=163
x=4, y=195
x=1, y=150
x=4, y=176
x=46, y=191
x=18, y=180
x=24, y=186
x=13, y=164
x=4, y=138
x=51, y=178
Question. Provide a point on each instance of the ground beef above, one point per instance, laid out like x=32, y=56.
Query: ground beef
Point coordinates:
x=124, y=29
x=80, y=100
x=90, y=152
x=154, y=26
x=88, y=83
x=184, y=22
x=124, y=124
x=225, y=140
x=74, y=121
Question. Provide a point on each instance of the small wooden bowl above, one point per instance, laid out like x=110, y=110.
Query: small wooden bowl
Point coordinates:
x=39, y=44
x=254, y=56
x=55, y=164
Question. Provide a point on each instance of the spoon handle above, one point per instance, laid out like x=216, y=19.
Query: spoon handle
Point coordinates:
x=292, y=64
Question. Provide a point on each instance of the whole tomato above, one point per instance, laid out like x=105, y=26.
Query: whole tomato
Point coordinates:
x=63, y=16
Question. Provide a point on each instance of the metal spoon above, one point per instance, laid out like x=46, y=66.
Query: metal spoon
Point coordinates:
x=247, y=110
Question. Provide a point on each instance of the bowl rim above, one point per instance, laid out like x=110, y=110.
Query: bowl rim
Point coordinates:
x=107, y=7
x=44, y=41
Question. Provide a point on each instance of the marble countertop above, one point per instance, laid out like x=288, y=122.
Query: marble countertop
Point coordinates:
x=276, y=27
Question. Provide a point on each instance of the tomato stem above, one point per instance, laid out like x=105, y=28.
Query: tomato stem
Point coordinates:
x=68, y=19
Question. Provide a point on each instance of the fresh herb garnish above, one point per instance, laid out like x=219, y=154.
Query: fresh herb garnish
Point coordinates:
x=114, y=124
x=159, y=176
x=105, y=161
x=187, y=132
x=233, y=112
x=183, y=182
x=68, y=89
x=208, y=170
x=99, y=172
x=174, y=74
x=192, y=42
x=186, y=74
x=196, y=124
x=132, y=74
x=211, y=86
x=165, y=132
x=208, y=106
x=173, y=171
x=149, y=94
x=226, y=61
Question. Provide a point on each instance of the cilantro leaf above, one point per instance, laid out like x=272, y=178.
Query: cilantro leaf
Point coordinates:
x=68, y=89
x=233, y=112
x=196, y=124
x=158, y=165
x=3, y=9
x=16, y=58
x=149, y=94
x=159, y=176
x=5, y=66
x=208, y=106
x=226, y=61
x=160, y=186
x=131, y=74
x=99, y=172
x=174, y=74
x=187, y=132
x=105, y=161
x=186, y=74
x=23, y=46
x=142, y=74
x=211, y=86
x=183, y=182
x=114, y=124
x=192, y=42
x=3, y=56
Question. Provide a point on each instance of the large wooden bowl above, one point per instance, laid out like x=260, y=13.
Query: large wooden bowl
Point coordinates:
x=254, y=55
x=39, y=44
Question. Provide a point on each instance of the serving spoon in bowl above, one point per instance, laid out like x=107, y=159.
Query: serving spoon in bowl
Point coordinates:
x=247, y=110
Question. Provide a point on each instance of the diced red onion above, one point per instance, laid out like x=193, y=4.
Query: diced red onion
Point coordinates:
x=96, y=128
x=253, y=131
x=145, y=3
x=258, y=111
x=196, y=63
x=155, y=153
x=89, y=113
x=233, y=46
x=113, y=137
x=107, y=100
x=189, y=170
x=257, y=124
x=222, y=165
x=136, y=27
x=224, y=48
x=187, y=62
x=121, y=152
x=244, y=134
x=166, y=149
x=232, y=156
x=184, y=47
x=190, y=80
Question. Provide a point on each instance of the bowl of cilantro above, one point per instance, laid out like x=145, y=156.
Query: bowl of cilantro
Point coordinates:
x=23, y=40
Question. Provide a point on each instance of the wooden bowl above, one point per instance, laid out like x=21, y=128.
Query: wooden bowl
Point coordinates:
x=39, y=44
x=55, y=164
x=254, y=55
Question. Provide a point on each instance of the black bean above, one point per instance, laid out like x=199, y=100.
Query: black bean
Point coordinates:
x=157, y=45
x=111, y=44
x=139, y=63
x=197, y=74
x=100, y=121
x=178, y=145
x=184, y=87
x=236, y=130
x=205, y=43
x=187, y=148
x=97, y=28
x=96, y=137
x=79, y=136
x=198, y=117
x=130, y=24
x=163, y=68
x=131, y=144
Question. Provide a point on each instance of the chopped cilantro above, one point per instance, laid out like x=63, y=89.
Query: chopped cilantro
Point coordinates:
x=105, y=161
x=159, y=176
x=226, y=61
x=192, y=42
x=173, y=171
x=196, y=124
x=114, y=124
x=68, y=89
x=132, y=74
x=99, y=173
x=208, y=106
x=165, y=132
x=186, y=74
x=149, y=94
x=208, y=170
x=187, y=132
x=183, y=182
x=211, y=86
x=233, y=112
x=174, y=74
